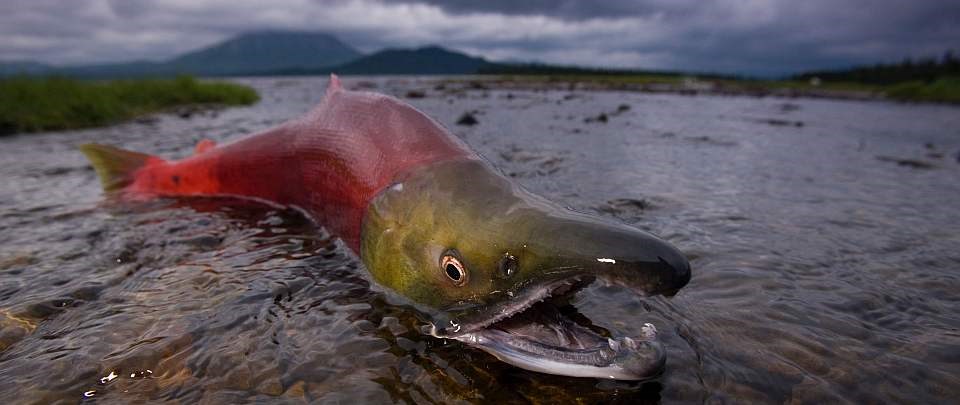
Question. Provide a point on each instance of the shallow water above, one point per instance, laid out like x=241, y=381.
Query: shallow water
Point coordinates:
x=826, y=266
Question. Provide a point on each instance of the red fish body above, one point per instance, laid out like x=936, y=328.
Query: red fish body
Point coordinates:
x=331, y=162
x=435, y=224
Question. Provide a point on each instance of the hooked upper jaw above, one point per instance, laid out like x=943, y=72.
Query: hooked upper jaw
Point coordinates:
x=615, y=253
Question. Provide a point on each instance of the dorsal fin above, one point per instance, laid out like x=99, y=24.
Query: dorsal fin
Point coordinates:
x=203, y=146
x=335, y=84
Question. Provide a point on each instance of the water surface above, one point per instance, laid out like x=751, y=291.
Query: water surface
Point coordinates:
x=822, y=234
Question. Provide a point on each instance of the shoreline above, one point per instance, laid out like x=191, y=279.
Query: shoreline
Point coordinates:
x=692, y=87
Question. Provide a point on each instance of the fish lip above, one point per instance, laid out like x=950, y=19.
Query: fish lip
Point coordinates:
x=638, y=360
x=624, y=358
x=509, y=308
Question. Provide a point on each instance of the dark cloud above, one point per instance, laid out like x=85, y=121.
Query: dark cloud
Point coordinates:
x=734, y=36
x=566, y=9
x=759, y=36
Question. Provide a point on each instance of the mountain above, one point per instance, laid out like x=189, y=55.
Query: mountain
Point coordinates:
x=266, y=51
x=9, y=68
x=275, y=53
x=252, y=53
x=431, y=60
x=116, y=70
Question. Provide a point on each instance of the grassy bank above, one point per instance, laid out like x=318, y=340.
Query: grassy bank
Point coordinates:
x=944, y=90
x=46, y=104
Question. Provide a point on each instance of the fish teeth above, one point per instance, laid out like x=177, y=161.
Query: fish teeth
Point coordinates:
x=649, y=331
x=615, y=345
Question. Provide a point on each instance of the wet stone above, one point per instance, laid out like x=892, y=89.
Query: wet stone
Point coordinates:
x=147, y=120
x=601, y=118
x=467, y=119
x=788, y=107
x=781, y=123
x=905, y=162
x=708, y=140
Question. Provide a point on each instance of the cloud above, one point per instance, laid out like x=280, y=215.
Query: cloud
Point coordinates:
x=735, y=36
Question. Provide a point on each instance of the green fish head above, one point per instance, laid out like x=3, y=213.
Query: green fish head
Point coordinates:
x=491, y=263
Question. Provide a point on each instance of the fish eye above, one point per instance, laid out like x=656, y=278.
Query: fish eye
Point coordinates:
x=453, y=268
x=508, y=265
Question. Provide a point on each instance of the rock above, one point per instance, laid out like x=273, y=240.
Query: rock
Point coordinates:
x=477, y=85
x=364, y=85
x=467, y=119
x=600, y=118
x=623, y=107
x=911, y=163
x=188, y=111
x=416, y=94
x=146, y=120
x=787, y=107
x=710, y=141
x=782, y=123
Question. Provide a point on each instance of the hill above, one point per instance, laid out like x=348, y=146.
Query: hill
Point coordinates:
x=266, y=51
x=9, y=68
x=276, y=53
x=252, y=53
x=430, y=60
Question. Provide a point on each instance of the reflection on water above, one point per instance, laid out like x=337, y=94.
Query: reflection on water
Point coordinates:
x=821, y=272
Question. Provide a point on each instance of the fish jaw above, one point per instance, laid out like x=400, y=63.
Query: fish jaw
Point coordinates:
x=466, y=210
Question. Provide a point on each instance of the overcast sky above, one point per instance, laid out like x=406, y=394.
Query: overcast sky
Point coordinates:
x=733, y=36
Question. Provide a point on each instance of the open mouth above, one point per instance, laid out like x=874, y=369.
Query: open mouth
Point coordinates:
x=542, y=332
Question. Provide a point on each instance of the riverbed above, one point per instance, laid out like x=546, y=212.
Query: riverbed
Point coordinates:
x=822, y=236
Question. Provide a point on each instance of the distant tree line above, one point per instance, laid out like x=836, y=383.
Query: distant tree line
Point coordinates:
x=923, y=69
x=541, y=69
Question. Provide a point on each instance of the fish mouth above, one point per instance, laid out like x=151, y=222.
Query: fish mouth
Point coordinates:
x=541, y=331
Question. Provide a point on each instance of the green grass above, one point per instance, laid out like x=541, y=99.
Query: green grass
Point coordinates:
x=47, y=104
x=943, y=90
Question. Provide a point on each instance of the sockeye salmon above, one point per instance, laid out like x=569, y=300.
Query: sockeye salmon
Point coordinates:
x=485, y=261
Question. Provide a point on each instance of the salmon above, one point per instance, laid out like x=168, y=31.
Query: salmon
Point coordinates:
x=486, y=261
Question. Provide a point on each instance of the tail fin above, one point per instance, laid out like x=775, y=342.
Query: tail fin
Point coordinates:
x=115, y=166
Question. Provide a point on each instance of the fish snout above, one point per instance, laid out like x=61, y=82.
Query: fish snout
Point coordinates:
x=635, y=259
x=674, y=272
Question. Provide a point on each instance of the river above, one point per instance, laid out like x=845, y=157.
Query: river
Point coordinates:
x=823, y=237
